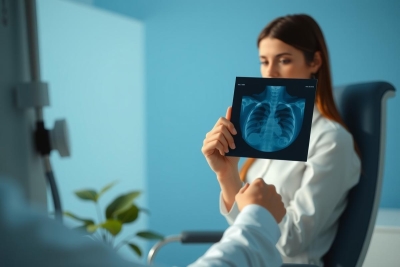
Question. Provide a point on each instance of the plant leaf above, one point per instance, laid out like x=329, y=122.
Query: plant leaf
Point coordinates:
x=145, y=211
x=87, y=195
x=92, y=228
x=82, y=228
x=121, y=204
x=85, y=221
x=112, y=226
x=149, y=235
x=129, y=215
x=105, y=189
x=136, y=249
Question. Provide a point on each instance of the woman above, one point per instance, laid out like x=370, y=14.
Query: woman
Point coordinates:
x=314, y=192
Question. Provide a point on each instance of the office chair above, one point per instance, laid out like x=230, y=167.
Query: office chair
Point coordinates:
x=363, y=109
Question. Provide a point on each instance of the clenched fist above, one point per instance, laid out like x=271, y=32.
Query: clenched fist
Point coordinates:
x=260, y=193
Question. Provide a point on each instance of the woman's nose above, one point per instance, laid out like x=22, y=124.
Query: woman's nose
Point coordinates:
x=271, y=72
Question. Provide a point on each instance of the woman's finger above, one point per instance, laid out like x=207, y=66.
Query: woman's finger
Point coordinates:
x=219, y=137
x=244, y=188
x=210, y=147
x=221, y=132
x=228, y=113
x=227, y=124
x=228, y=117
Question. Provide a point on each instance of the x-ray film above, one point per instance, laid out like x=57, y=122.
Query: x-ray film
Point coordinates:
x=273, y=117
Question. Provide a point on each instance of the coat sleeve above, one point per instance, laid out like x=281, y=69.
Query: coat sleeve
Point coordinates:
x=330, y=172
x=250, y=241
x=30, y=238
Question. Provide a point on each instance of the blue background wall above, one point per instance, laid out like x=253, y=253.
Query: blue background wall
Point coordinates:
x=93, y=61
x=194, y=50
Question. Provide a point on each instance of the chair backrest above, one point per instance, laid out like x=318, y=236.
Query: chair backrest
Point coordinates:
x=363, y=109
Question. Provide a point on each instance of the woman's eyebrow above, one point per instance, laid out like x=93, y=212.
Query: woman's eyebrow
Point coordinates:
x=283, y=54
x=278, y=55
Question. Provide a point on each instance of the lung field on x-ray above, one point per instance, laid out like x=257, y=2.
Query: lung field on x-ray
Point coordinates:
x=271, y=120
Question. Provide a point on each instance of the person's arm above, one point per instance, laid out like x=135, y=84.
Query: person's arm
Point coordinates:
x=331, y=171
x=230, y=184
x=29, y=238
x=250, y=241
x=218, y=142
x=230, y=215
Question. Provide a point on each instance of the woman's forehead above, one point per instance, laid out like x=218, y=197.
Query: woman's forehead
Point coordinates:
x=272, y=47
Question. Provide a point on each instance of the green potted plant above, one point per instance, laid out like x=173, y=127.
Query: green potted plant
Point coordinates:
x=122, y=210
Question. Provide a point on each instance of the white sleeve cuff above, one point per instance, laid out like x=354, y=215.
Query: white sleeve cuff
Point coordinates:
x=257, y=215
x=229, y=215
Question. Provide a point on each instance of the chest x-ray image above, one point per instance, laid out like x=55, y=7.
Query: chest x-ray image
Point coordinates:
x=273, y=117
x=271, y=120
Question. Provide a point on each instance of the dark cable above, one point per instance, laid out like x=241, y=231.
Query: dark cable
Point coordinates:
x=56, y=197
x=53, y=187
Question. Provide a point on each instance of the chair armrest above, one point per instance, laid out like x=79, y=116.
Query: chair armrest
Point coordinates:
x=195, y=237
x=298, y=265
x=186, y=237
x=201, y=237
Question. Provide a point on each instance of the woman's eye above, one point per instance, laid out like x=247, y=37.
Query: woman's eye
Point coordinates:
x=285, y=61
x=264, y=63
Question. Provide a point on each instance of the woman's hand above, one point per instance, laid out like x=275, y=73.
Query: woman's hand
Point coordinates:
x=218, y=142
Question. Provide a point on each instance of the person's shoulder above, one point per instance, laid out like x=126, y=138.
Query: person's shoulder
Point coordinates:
x=329, y=129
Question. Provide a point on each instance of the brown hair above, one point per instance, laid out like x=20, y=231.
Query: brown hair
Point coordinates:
x=302, y=32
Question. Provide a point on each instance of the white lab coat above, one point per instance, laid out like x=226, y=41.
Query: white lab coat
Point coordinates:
x=29, y=238
x=244, y=243
x=314, y=192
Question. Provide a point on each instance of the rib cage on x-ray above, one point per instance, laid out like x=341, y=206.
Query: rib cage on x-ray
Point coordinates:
x=271, y=120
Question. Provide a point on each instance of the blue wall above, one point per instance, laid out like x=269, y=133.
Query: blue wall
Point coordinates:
x=194, y=50
x=94, y=63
